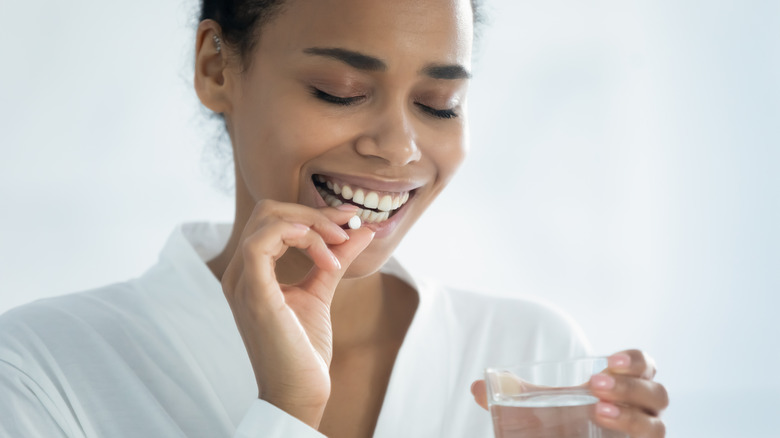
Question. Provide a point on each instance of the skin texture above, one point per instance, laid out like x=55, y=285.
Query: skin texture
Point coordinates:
x=321, y=325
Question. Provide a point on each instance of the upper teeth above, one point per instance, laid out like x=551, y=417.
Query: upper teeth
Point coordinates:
x=384, y=202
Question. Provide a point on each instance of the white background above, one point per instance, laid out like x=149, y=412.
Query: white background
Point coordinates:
x=624, y=165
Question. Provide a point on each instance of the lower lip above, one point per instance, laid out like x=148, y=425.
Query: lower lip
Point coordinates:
x=381, y=229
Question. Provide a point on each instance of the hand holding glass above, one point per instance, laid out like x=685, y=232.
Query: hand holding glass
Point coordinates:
x=546, y=400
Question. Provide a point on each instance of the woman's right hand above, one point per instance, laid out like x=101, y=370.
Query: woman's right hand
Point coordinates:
x=286, y=328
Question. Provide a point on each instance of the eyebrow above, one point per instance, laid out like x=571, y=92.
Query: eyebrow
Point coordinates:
x=362, y=61
x=449, y=71
x=349, y=57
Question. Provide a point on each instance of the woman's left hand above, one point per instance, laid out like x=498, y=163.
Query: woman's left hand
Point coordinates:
x=630, y=401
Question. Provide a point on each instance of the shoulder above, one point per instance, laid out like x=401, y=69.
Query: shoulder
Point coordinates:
x=507, y=308
x=123, y=332
x=172, y=305
x=63, y=342
x=54, y=323
x=62, y=327
x=105, y=312
x=540, y=328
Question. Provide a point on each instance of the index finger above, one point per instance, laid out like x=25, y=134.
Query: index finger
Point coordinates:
x=325, y=221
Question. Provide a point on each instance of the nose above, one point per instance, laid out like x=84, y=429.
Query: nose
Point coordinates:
x=392, y=138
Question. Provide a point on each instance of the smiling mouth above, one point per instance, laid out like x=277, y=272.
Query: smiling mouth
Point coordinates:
x=373, y=206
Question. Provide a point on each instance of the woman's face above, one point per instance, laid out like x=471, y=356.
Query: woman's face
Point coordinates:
x=359, y=101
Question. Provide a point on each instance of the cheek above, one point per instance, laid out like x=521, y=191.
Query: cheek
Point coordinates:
x=447, y=155
x=273, y=145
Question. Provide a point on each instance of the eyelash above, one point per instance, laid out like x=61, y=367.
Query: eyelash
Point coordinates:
x=343, y=101
x=441, y=114
x=347, y=101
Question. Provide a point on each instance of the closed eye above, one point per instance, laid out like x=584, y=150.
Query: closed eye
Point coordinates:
x=336, y=100
x=441, y=114
x=347, y=101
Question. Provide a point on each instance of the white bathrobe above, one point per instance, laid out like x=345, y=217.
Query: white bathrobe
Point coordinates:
x=160, y=356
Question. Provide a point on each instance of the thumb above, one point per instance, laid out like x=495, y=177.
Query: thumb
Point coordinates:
x=348, y=251
x=322, y=283
x=479, y=391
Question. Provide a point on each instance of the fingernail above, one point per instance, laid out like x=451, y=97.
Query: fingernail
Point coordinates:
x=620, y=360
x=602, y=381
x=347, y=207
x=343, y=233
x=607, y=410
x=336, y=261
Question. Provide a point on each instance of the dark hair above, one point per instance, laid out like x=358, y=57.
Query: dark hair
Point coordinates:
x=241, y=20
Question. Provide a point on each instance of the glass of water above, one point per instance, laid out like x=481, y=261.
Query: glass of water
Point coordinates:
x=546, y=400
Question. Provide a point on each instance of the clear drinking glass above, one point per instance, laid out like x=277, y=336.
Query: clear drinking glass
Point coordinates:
x=545, y=400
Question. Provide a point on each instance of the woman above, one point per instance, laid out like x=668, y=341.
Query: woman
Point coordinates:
x=290, y=323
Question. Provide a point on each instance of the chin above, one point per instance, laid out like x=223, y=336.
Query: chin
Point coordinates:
x=366, y=264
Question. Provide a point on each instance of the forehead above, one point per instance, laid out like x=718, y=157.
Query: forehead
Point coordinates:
x=397, y=31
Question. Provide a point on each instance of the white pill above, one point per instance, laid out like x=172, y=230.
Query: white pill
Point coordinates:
x=355, y=222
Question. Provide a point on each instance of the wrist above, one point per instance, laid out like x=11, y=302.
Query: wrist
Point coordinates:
x=309, y=409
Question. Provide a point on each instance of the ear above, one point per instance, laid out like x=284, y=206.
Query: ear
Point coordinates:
x=212, y=79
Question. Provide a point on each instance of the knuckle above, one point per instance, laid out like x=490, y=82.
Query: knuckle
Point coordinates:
x=266, y=220
x=635, y=423
x=250, y=248
x=637, y=357
x=265, y=207
x=663, y=396
x=319, y=220
x=625, y=386
x=660, y=429
x=642, y=364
